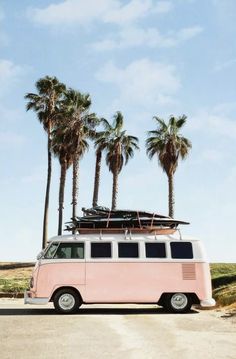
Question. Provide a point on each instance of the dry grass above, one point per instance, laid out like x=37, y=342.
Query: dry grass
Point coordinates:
x=14, y=278
x=224, y=283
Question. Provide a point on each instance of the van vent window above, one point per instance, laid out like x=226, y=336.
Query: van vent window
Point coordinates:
x=155, y=250
x=128, y=250
x=181, y=250
x=70, y=250
x=100, y=250
x=51, y=250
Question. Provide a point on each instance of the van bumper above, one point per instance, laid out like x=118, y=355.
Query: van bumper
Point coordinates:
x=208, y=302
x=29, y=300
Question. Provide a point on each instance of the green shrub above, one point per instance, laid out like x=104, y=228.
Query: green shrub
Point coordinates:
x=13, y=285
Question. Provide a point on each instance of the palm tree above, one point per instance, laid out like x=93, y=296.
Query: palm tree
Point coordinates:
x=81, y=123
x=45, y=103
x=119, y=149
x=61, y=149
x=101, y=139
x=169, y=145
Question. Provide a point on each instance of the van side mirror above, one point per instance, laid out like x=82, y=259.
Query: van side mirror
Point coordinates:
x=40, y=255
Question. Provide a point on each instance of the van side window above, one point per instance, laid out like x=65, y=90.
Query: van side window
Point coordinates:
x=181, y=250
x=128, y=250
x=100, y=250
x=70, y=250
x=155, y=250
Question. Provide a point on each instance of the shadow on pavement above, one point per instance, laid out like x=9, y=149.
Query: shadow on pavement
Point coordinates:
x=89, y=311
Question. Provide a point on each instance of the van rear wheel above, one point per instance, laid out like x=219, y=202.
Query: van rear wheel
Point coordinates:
x=66, y=301
x=178, y=303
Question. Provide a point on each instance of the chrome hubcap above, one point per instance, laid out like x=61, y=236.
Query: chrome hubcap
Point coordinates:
x=66, y=301
x=179, y=301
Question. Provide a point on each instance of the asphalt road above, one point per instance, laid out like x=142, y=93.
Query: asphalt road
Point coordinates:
x=113, y=331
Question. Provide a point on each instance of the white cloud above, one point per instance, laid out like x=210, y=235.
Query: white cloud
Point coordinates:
x=188, y=33
x=136, y=9
x=8, y=70
x=130, y=12
x=224, y=65
x=9, y=74
x=163, y=7
x=142, y=82
x=84, y=12
x=136, y=36
x=217, y=121
x=72, y=11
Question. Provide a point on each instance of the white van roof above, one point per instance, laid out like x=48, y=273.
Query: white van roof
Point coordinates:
x=120, y=236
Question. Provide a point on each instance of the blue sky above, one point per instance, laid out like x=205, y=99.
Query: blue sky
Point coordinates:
x=144, y=58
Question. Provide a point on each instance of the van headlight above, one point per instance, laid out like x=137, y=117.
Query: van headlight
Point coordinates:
x=31, y=282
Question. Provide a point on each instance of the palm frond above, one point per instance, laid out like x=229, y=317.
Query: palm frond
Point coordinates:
x=162, y=125
x=46, y=101
x=181, y=121
x=167, y=143
x=118, y=121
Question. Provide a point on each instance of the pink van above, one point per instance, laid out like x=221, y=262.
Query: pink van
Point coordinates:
x=120, y=268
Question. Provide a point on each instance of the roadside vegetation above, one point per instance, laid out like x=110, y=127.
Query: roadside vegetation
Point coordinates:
x=224, y=283
x=14, y=279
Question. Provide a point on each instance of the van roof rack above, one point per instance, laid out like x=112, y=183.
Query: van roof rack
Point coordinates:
x=116, y=221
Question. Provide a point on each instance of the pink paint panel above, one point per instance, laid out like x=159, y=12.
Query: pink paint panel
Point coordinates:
x=142, y=282
x=54, y=275
x=107, y=282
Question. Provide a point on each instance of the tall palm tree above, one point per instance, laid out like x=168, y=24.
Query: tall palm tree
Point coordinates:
x=81, y=123
x=61, y=148
x=169, y=145
x=44, y=103
x=119, y=149
x=101, y=138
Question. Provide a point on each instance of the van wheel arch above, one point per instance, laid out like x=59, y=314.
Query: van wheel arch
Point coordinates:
x=76, y=291
x=164, y=299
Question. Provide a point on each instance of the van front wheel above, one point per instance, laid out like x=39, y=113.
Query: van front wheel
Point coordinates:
x=178, y=303
x=66, y=301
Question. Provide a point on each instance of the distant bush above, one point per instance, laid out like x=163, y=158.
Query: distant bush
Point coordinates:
x=225, y=295
x=13, y=285
x=224, y=283
x=6, y=266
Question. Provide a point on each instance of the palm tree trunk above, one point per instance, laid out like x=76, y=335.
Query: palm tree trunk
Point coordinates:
x=75, y=181
x=97, y=178
x=171, y=195
x=114, y=189
x=61, y=196
x=46, y=203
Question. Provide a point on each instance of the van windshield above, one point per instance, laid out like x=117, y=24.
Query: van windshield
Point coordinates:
x=51, y=250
